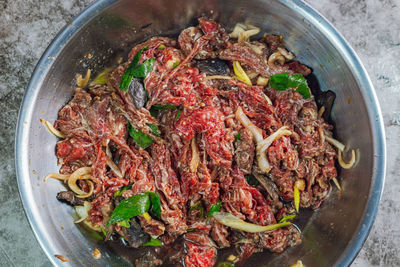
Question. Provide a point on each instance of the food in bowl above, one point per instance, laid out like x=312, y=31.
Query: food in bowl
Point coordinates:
x=196, y=144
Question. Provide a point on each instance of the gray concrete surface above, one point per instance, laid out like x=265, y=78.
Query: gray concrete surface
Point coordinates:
x=27, y=26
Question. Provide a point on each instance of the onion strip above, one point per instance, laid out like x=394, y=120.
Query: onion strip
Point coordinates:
x=262, y=144
x=336, y=182
x=244, y=120
x=114, y=167
x=335, y=143
x=194, y=162
x=51, y=128
x=81, y=173
x=236, y=223
x=88, y=194
x=240, y=73
x=83, y=82
x=57, y=176
x=296, y=194
x=212, y=77
x=350, y=163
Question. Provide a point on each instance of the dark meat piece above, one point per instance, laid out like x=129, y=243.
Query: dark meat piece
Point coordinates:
x=69, y=198
x=244, y=153
x=137, y=93
x=134, y=235
x=213, y=66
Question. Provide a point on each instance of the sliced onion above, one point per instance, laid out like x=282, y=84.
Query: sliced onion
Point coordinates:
x=263, y=145
x=82, y=211
x=350, y=163
x=240, y=73
x=114, y=167
x=244, y=36
x=83, y=82
x=335, y=143
x=336, y=182
x=51, y=128
x=262, y=81
x=321, y=111
x=212, y=77
x=194, y=162
x=288, y=55
x=236, y=223
x=77, y=175
x=239, y=27
x=296, y=194
x=299, y=263
x=88, y=194
x=244, y=120
x=57, y=176
x=276, y=57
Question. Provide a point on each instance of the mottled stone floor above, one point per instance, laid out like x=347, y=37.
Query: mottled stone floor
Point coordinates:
x=26, y=27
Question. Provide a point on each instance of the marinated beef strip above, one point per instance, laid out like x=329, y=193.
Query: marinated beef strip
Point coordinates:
x=200, y=152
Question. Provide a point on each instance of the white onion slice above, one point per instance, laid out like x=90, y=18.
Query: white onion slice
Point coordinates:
x=350, y=163
x=81, y=173
x=236, y=223
x=257, y=132
x=51, y=128
x=194, y=162
x=114, y=167
x=335, y=143
x=57, y=176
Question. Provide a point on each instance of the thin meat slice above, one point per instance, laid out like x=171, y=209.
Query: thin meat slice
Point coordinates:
x=200, y=252
x=246, y=55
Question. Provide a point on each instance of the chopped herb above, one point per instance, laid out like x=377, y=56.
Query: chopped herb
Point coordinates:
x=225, y=264
x=287, y=217
x=130, y=207
x=162, y=47
x=155, y=108
x=128, y=74
x=152, y=243
x=125, y=223
x=103, y=231
x=237, y=136
x=155, y=204
x=214, y=208
x=283, y=81
x=190, y=229
x=142, y=139
x=164, y=107
x=198, y=206
x=119, y=192
x=144, y=69
x=175, y=64
x=102, y=77
x=154, y=129
x=178, y=113
x=251, y=180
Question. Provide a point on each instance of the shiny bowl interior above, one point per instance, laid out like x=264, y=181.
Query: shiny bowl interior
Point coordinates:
x=107, y=29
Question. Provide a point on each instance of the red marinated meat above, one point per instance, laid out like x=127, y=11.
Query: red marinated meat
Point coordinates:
x=194, y=161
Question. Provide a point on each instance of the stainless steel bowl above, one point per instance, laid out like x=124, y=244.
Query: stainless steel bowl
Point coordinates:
x=106, y=30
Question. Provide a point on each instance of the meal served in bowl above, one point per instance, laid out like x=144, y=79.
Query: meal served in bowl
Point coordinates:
x=209, y=141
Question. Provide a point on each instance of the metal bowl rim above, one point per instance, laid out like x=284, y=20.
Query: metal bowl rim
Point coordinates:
x=310, y=15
